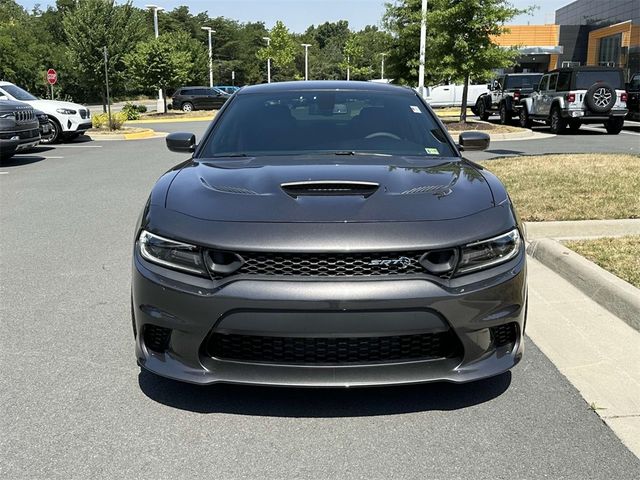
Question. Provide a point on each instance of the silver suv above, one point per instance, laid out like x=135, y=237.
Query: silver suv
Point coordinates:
x=573, y=96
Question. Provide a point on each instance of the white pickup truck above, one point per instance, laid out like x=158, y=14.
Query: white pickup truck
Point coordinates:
x=451, y=95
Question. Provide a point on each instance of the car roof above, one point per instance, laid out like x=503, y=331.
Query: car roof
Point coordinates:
x=523, y=74
x=586, y=68
x=301, y=86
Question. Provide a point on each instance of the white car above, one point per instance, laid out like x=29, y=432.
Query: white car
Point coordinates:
x=67, y=120
x=451, y=95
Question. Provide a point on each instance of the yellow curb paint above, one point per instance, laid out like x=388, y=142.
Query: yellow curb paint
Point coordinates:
x=136, y=136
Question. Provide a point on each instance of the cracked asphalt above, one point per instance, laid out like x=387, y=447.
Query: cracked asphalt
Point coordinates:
x=73, y=403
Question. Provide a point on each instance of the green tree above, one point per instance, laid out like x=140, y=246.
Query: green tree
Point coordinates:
x=94, y=24
x=19, y=57
x=158, y=64
x=281, y=50
x=352, y=60
x=461, y=42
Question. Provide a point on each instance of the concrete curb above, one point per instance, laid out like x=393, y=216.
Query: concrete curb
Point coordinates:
x=619, y=297
x=497, y=137
x=147, y=133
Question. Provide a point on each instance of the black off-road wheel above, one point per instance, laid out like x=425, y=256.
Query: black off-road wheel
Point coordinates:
x=557, y=124
x=505, y=115
x=523, y=118
x=574, y=126
x=481, y=108
x=614, y=125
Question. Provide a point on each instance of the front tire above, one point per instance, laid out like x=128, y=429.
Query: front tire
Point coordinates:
x=481, y=107
x=557, y=123
x=614, y=125
x=187, y=107
x=54, y=136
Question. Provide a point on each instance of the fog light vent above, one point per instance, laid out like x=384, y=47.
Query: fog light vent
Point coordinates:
x=504, y=334
x=157, y=338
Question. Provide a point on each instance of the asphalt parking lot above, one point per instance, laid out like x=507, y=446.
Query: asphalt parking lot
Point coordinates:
x=75, y=405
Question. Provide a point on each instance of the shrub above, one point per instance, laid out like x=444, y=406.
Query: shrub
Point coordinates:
x=101, y=120
x=131, y=111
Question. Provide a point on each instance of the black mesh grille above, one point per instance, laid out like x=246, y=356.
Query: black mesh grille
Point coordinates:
x=333, y=351
x=504, y=334
x=157, y=338
x=331, y=264
x=83, y=113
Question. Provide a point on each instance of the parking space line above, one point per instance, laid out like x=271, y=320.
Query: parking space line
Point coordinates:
x=602, y=130
x=4, y=173
x=78, y=146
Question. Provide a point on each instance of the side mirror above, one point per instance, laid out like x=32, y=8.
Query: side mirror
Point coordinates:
x=473, y=141
x=490, y=86
x=181, y=142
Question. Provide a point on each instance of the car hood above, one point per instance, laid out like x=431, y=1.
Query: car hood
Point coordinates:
x=368, y=189
x=50, y=106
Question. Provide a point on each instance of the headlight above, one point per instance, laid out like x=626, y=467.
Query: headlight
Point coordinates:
x=7, y=115
x=490, y=252
x=66, y=111
x=171, y=254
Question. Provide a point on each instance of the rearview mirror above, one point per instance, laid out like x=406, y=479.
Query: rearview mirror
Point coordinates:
x=181, y=142
x=473, y=141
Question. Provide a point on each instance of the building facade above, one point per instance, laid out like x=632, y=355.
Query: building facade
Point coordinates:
x=586, y=32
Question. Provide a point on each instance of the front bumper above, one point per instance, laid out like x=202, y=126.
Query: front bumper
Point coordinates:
x=193, y=308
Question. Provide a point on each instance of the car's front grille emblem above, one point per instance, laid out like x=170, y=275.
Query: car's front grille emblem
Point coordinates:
x=401, y=262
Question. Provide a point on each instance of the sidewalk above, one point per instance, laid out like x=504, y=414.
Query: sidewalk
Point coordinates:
x=582, y=229
x=597, y=352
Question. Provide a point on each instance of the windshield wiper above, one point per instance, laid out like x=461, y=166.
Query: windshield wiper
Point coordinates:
x=353, y=152
x=230, y=155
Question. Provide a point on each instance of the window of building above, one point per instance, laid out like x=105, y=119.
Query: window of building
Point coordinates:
x=609, y=50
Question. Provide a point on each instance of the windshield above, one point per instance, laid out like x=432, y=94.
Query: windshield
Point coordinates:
x=332, y=122
x=523, y=81
x=585, y=79
x=18, y=93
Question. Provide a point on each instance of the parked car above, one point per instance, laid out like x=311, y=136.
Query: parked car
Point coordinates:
x=633, y=97
x=451, y=95
x=505, y=95
x=227, y=89
x=18, y=128
x=340, y=241
x=188, y=99
x=67, y=120
x=576, y=95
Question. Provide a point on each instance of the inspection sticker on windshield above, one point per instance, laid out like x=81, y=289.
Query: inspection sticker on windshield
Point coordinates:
x=432, y=151
x=415, y=109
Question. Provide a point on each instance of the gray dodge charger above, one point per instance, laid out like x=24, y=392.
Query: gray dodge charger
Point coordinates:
x=328, y=234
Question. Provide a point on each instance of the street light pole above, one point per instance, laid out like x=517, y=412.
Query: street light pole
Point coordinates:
x=382, y=67
x=423, y=47
x=306, y=60
x=208, y=29
x=268, y=40
x=348, y=68
x=156, y=9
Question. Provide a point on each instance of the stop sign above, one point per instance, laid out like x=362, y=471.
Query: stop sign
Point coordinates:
x=52, y=76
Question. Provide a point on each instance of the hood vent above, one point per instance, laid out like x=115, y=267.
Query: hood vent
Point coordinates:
x=329, y=188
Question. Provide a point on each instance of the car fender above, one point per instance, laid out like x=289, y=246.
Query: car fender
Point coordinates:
x=527, y=103
x=559, y=102
x=486, y=99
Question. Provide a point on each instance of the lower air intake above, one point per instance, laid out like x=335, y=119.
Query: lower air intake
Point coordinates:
x=504, y=334
x=333, y=351
x=157, y=338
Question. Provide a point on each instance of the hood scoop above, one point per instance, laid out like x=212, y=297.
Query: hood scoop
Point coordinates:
x=329, y=188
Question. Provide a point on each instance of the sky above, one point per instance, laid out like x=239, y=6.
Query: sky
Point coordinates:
x=299, y=14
